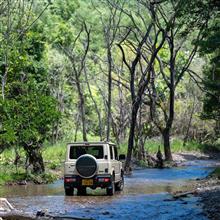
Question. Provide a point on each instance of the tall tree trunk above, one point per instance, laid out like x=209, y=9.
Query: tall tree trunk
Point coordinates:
x=35, y=159
x=95, y=105
x=169, y=122
x=166, y=142
x=139, y=134
x=109, y=55
x=77, y=127
x=122, y=120
x=82, y=108
x=135, y=108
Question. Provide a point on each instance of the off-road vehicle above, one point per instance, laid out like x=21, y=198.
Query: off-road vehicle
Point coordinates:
x=93, y=164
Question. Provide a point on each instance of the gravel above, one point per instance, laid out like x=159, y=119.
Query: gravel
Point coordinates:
x=211, y=203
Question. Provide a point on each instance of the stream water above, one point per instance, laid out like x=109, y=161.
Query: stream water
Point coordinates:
x=146, y=196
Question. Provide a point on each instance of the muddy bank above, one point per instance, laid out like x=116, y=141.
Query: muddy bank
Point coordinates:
x=211, y=201
x=210, y=194
x=208, y=189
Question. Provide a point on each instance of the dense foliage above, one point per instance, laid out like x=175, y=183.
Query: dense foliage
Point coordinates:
x=128, y=71
x=210, y=47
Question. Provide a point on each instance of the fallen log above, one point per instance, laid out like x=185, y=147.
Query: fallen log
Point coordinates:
x=184, y=194
x=17, y=215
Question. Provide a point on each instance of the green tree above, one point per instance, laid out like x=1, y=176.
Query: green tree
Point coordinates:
x=193, y=15
x=28, y=110
x=210, y=48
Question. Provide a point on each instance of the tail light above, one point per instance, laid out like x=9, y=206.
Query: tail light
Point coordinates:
x=69, y=179
x=104, y=180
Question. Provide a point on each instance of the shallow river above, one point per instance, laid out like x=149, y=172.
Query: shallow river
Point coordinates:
x=146, y=196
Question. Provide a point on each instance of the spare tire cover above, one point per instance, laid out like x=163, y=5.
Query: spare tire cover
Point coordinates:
x=86, y=165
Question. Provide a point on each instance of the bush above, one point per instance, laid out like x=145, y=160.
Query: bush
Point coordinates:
x=54, y=165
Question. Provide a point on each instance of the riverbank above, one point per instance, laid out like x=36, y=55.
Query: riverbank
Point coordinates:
x=10, y=175
x=54, y=173
x=179, y=159
x=210, y=194
x=208, y=189
x=211, y=203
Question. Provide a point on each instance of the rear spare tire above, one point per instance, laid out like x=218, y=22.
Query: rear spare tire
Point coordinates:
x=86, y=166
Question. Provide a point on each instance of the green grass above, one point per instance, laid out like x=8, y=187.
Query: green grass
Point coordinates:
x=54, y=152
x=11, y=177
x=17, y=177
x=152, y=146
x=57, y=152
x=53, y=156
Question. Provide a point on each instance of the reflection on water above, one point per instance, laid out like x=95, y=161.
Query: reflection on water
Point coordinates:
x=145, y=194
x=139, y=206
x=145, y=181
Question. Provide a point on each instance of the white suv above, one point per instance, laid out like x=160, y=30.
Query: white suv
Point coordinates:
x=93, y=164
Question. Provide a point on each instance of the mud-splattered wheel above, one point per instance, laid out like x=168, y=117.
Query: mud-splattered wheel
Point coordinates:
x=120, y=185
x=111, y=189
x=69, y=192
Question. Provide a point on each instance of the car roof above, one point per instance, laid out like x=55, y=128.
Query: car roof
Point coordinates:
x=84, y=143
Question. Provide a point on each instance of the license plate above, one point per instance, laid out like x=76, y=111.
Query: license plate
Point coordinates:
x=87, y=182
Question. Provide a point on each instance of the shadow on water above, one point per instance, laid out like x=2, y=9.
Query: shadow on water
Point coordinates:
x=146, y=194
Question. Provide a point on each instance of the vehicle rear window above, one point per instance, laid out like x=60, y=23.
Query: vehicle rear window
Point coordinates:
x=77, y=151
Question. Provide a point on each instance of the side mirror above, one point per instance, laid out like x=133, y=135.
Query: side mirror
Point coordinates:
x=122, y=157
x=106, y=157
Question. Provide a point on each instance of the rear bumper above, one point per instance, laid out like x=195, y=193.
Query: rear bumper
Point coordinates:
x=75, y=181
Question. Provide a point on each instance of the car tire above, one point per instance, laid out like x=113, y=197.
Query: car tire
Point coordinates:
x=69, y=192
x=81, y=191
x=120, y=185
x=111, y=190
